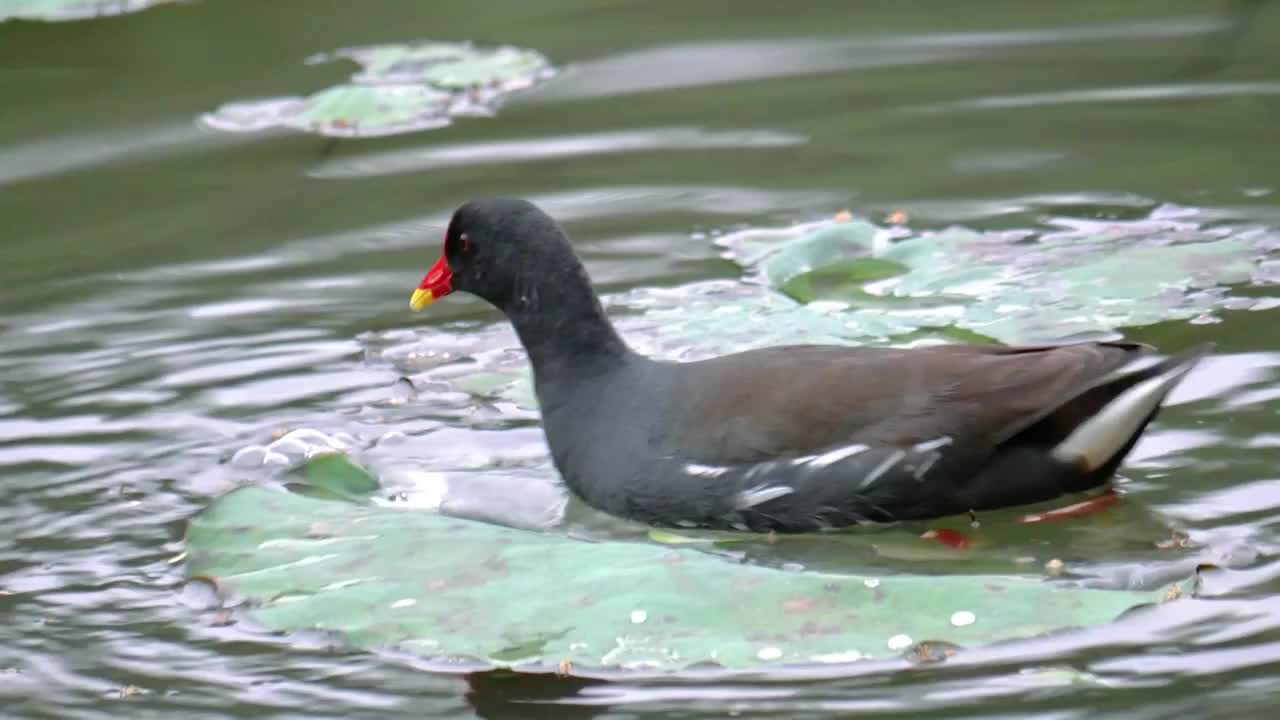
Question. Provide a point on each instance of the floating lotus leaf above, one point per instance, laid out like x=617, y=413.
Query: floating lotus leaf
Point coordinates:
x=398, y=63
x=999, y=285
x=483, y=595
x=505, y=67
x=63, y=10
x=341, y=111
x=400, y=89
x=368, y=111
x=456, y=66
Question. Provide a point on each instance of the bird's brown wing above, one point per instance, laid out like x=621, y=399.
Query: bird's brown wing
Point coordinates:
x=784, y=401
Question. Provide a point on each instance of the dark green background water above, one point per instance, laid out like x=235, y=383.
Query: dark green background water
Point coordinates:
x=170, y=295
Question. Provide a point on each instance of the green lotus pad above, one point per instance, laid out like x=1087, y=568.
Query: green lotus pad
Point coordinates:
x=457, y=66
x=62, y=10
x=1000, y=286
x=400, y=88
x=484, y=595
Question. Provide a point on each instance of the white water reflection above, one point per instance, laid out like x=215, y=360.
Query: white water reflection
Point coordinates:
x=549, y=148
x=73, y=153
x=684, y=66
x=1132, y=93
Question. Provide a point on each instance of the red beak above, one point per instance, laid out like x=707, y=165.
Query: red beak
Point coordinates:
x=434, y=286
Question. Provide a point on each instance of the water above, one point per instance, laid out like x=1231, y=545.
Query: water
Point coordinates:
x=172, y=296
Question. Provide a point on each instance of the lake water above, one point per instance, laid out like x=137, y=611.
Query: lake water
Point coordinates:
x=172, y=295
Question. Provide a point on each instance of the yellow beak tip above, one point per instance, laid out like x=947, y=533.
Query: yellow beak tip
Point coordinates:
x=421, y=298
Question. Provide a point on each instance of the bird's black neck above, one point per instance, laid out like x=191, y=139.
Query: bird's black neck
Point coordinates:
x=564, y=328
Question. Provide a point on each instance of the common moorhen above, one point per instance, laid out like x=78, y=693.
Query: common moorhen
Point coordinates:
x=798, y=438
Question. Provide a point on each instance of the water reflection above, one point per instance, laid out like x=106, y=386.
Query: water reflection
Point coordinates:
x=550, y=148
x=685, y=66
x=1140, y=93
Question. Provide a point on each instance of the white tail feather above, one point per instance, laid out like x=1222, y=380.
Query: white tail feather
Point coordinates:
x=1098, y=439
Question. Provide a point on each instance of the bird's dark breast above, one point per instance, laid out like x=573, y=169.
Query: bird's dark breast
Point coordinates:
x=601, y=430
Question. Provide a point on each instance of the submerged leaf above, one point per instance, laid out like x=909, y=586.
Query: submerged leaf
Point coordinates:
x=837, y=243
x=335, y=473
x=464, y=591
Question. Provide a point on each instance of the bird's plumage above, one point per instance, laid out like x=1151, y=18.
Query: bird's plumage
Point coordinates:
x=803, y=437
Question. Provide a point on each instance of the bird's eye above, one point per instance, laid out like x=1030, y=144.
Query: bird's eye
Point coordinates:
x=464, y=243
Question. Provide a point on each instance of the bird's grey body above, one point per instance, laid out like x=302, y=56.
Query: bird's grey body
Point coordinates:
x=819, y=449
